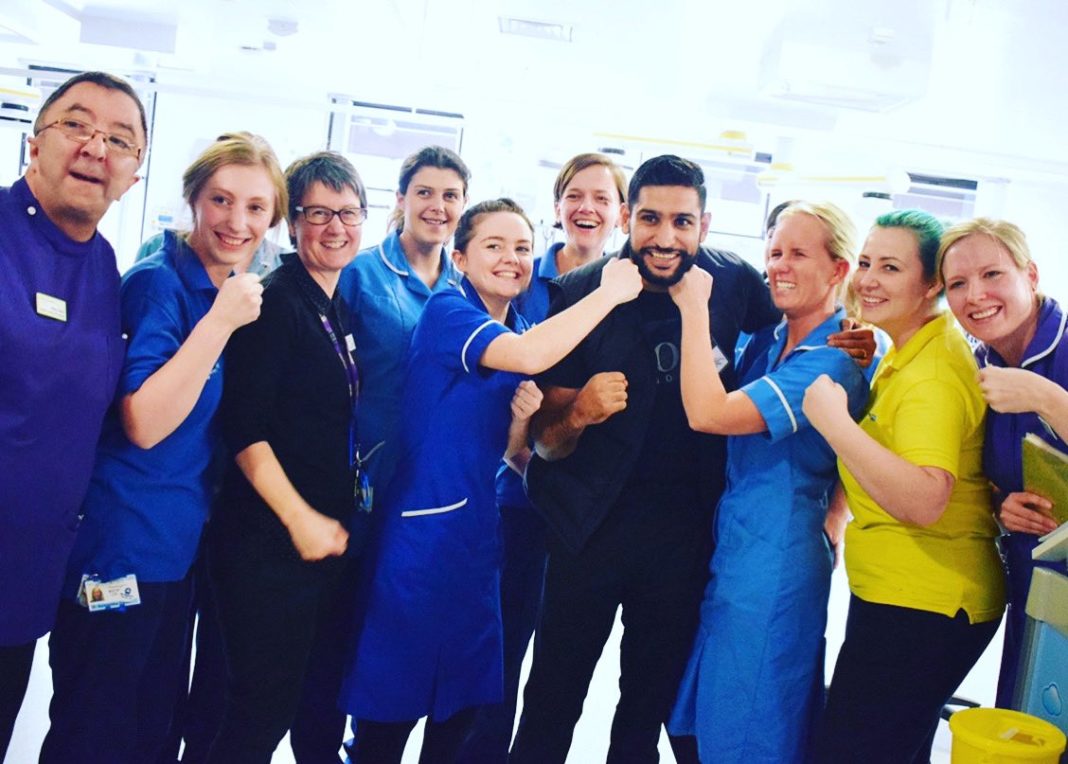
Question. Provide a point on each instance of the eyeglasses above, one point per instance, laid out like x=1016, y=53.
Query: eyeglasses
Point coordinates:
x=83, y=132
x=322, y=215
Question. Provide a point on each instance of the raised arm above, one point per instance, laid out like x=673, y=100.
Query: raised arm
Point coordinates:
x=164, y=400
x=709, y=407
x=539, y=348
x=909, y=492
x=1013, y=391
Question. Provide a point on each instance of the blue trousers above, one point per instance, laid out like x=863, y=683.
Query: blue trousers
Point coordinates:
x=115, y=677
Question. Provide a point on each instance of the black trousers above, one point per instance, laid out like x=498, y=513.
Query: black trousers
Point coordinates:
x=522, y=580
x=272, y=608
x=384, y=742
x=318, y=728
x=897, y=668
x=15, y=664
x=199, y=710
x=650, y=557
x=115, y=677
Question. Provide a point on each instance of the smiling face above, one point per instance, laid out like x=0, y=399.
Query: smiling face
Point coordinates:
x=666, y=227
x=75, y=183
x=432, y=206
x=589, y=209
x=890, y=284
x=326, y=249
x=992, y=297
x=498, y=259
x=802, y=275
x=231, y=215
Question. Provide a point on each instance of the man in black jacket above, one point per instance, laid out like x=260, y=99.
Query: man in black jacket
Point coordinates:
x=626, y=487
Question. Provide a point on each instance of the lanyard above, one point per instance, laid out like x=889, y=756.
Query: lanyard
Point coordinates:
x=362, y=492
x=345, y=356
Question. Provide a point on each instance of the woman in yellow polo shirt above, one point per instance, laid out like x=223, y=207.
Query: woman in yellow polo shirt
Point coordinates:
x=926, y=582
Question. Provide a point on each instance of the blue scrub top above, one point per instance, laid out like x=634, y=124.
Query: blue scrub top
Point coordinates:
x=57, y=378
x=431, y=639
x=385, y=300
x=532, y=305
x=759, y=645
x=766, y=469
x=145, y=509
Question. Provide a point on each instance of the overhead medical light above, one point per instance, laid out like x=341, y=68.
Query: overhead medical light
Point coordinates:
x=783, y=174
x=730, y=143
x=541, y=30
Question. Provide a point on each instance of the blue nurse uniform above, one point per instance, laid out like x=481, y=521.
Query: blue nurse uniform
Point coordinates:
x=385, y=300
x=431, y=638
x=751, y=686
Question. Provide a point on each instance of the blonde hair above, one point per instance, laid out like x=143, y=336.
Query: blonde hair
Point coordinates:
x=1009, y=235
x=577, y=164
x=841, y=241
x=240, y=148
x=841, y=233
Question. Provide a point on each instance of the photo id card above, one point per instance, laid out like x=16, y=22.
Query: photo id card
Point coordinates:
x=117, y=594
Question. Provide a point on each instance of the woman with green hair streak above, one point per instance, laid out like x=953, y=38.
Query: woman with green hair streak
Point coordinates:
x=926, y=582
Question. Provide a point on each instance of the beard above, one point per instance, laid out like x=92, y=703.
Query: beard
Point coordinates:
x=686, y=261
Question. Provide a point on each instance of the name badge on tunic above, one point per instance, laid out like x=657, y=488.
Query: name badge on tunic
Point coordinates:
x=117, y=594
x=350, y=343
x=51, y=307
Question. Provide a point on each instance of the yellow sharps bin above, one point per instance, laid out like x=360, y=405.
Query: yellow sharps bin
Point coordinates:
x=998, y=736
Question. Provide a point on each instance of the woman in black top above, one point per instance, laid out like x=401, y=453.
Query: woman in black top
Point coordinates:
x=288, y=499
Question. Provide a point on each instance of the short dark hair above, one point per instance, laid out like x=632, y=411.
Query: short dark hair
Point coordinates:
x=465, y=229
x=428, y=156
x=101, y=79
x=327, y=167
x=667, y=170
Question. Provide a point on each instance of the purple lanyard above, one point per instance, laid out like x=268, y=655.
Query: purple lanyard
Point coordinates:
x=347, y=361
x=353, y=375
x=362, y=489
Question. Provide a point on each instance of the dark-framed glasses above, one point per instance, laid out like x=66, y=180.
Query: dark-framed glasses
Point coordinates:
x=83, y=132
x=316, y=215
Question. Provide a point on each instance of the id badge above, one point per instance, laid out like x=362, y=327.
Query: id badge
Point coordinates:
x=719, y=359
x=363, y=492
x=116, y=594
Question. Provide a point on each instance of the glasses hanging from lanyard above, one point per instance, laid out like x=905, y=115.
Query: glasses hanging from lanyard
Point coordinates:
x=363, y=491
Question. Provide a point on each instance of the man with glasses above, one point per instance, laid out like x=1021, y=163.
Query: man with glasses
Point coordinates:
x=61, y=348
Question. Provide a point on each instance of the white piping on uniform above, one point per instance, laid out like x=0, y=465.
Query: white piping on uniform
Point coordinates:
x=463, y=352
x=1058, y=335
x=785, y=403
x=388, y=264
x=433, y=510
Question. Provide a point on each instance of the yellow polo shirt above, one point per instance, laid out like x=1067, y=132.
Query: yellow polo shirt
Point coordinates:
x=926, y=406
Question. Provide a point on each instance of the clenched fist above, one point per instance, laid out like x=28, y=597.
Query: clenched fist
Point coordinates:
x=526, y=401
x=620, y=278
x=693, y=290
x=238, y=302
x=602, y=396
